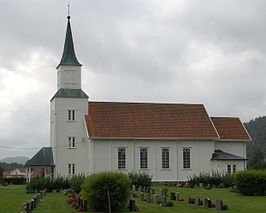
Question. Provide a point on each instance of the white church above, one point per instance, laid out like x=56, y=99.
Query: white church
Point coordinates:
x=169, y=141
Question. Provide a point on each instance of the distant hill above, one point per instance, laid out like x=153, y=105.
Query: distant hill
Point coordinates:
x=257, y=131
x=18, y=159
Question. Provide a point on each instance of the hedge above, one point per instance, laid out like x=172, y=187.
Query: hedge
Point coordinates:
x=251, y=182
x=14, y=180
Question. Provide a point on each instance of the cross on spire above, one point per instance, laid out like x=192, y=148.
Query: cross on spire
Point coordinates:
x=68, y=10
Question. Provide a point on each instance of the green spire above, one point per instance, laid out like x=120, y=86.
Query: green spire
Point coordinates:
x=69, y=57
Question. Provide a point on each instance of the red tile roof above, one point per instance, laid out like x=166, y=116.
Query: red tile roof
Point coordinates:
x=230, y=128
x=148, y=120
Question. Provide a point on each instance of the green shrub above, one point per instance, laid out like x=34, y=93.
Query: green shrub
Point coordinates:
x=251, y=182
x=96, y=188
x=15, y=180
x=140, y=179
x=170, y=203
x=214, y=179
x=76, y=182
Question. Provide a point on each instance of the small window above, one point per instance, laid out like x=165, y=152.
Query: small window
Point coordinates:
x=71, y=115
x=234, y=168
x=229, y=169
x=71, y=169
x=143, y=158
x=186, y=158
x=71, y=142
x=165, y=158
x=121, y=158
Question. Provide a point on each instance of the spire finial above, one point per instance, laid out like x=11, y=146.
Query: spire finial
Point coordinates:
x=68, y=10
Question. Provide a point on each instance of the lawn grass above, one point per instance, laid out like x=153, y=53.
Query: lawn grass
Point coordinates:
x=54, y=202
x=236, y=203
x=12, y=198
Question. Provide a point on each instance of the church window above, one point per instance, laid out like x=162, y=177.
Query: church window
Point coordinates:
x=71, y=115
x=143, y=158
x=121, y=158
x=71, y=169
x=165, y=158
x=71, y=142
x=186, y=158
x=229, y=169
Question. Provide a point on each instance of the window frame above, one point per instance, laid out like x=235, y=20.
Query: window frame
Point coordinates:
x=229, y=168
x=71, y=114
x=121, y=157
x=143, y=158
x=186, y=152
x=71, y=169
x=165, y=153
x=72, y=142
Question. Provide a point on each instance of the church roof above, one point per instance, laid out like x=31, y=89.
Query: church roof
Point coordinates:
x=221, y=155
x=149, y=120
x=69, y=56
x=70, y=93
x=230, y=128
x=43, y=158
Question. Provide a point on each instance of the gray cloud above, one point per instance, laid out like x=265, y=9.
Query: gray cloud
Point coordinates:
x=210, y=52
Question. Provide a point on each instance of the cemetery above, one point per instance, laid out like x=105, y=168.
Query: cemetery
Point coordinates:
x=81, y=194
x=12, y=200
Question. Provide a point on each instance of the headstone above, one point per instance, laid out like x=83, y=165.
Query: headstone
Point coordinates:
x=162, y=192
x=148, y=197
x=141, y=196
x=207, y=203
x=81, y=203
x=219, y=204
x=197, y=201
x=172, y=196
x=132, y=205
x=28, y=207
x=201, y=185
x=155, y=198
x=85, y=204
x=164, y=201
x=187, y=198
x=208, y=186
x=177, y=196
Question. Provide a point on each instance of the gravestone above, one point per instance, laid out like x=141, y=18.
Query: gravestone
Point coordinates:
x=162, y=192
x=207, y=203
x=132, y=205
x=141, y=196
x=177, y=196
x=187, y=198
x=28, y=207
x=85, y=204
x=201, y=185
x=155, y=198
x=219, y=204
x=172, y=196
x=148, y=196
x=81, y=203
x=208, y=186
x=197, y=201
x=164, y=201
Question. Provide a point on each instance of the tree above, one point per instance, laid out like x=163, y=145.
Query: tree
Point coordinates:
x=1, y=174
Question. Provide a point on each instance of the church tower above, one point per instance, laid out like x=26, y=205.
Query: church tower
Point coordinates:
x=68, y=108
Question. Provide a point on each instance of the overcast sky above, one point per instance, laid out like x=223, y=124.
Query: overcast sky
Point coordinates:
x=180, y=51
